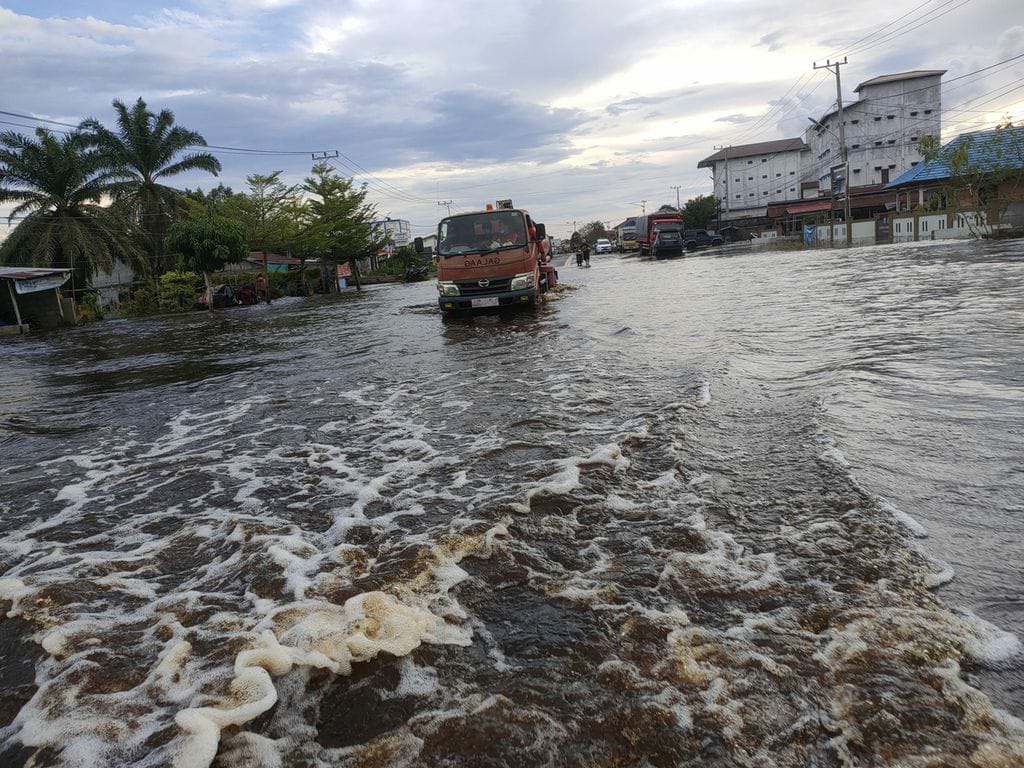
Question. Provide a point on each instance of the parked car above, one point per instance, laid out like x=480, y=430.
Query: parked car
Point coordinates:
x=603, y=245
x=700, y=238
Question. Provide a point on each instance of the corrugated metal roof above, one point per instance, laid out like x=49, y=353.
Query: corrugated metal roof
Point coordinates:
x=986, y=151
x=29, y=273
x=749, y=150
x=894, y=78
x=817, y=205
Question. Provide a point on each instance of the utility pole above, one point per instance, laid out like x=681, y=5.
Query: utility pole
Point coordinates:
x=725, y=181
x=676, y=188
x=447, y=204
x=833, y=66
x=643, y=207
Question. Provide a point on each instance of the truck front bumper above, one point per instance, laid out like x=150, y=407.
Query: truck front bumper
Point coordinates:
x=523, y=298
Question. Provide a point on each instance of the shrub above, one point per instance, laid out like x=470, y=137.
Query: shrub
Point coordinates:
x=179, y=290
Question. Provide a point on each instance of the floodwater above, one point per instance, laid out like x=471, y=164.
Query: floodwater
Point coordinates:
x=760, y=509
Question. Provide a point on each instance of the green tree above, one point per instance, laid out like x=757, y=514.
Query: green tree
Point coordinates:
x=340, y=221
x=147, y=149
x=699, y=211
x=267, y=212
x=214, y=201
x=593, y=231
x=57, y=185
x=205, y=245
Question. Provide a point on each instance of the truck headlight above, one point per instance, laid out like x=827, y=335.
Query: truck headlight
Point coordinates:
x=446, y=288
x=520, y=282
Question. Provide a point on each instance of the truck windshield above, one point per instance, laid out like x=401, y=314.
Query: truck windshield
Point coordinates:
x=489, y=231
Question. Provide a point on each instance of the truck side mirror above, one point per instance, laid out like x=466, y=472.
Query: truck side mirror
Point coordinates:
x=418, y=244
x=541, y=233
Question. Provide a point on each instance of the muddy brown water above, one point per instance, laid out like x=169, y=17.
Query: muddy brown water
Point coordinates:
x=750, y=509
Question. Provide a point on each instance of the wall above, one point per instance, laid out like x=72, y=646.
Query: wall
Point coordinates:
x=883, y=130
x=754, y=182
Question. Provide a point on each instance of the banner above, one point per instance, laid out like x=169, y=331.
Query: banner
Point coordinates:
x=810, y=233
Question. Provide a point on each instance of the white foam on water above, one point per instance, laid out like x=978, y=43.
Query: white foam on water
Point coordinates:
x=903, y=518
x=415, y=680
x=987, y=643
x=704, y=394
x=834, y=456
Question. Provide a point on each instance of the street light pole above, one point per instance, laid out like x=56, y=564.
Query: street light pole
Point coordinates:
x=643, y=207
x=676, y=188
x=447, y=204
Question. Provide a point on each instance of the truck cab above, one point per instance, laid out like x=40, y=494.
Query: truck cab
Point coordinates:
x=498, y=257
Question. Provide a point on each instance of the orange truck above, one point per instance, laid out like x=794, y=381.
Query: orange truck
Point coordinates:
x=497, y=257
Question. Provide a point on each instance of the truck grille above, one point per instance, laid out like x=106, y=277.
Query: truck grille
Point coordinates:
x=473, y=288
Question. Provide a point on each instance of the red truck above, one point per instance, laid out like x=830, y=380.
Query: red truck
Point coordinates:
x=648, y=228
x=498, y=257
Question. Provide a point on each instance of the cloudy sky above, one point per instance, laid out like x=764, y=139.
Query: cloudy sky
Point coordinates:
x=576, y=110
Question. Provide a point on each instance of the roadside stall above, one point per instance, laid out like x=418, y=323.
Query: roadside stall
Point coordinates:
x=30, y=299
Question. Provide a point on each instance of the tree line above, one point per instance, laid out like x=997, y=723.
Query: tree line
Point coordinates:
x=93, y=196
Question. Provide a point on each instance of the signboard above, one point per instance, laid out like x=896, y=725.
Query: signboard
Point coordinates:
x=345, y=270
x=43, y=283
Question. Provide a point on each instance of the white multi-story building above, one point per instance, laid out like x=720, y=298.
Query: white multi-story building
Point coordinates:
x=883, y=129
x=749, y=177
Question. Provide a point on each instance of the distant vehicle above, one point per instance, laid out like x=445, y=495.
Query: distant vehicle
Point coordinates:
x=646, y=227
x=627, y=238
x=603, y=245
x=667, y=242
x=700, y=238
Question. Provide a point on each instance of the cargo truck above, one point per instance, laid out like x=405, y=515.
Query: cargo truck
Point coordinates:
x=494, y=258
x=647, y=228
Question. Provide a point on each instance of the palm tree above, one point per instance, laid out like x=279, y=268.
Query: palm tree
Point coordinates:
x=146, y=149
x=57, y=185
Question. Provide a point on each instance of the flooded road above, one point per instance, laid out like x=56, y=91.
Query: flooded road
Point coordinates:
x=752, y=510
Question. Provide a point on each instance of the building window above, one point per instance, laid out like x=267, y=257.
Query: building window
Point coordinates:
x=750, y=162
x=913, y=163
x=927, y=111
x=778, y=175
x=855, y=146
x=890, y=117
x=854, y=122
x=878, y=143
x=750, y=178
x=913, y=114
x=764, y=159
x=856, y=170
x=764, y=175
x=913, y=138
x=892, y=141
x=778, y=191
x=792, y=173
x=792, y=189
x=751, y=194
x=738, y=197
x=878, y=119
x=764, y=193
x=924, y=226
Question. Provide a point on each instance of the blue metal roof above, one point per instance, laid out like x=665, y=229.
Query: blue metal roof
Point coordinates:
x=986, y=151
